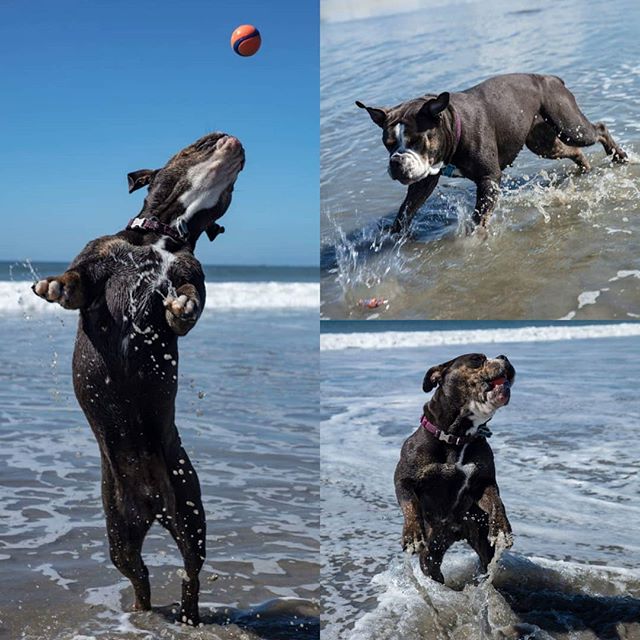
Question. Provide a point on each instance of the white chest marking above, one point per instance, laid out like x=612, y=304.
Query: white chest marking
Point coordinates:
x=467, y=469
x=480, y=412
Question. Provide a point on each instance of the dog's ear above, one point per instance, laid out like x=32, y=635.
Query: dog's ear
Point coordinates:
x=141, y=178
x=439, y=104
x=430, y=110
x=435, y=376
x=378, y=114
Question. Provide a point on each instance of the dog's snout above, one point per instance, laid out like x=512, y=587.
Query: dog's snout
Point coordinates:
x=508, y=367
x=395, y=166
x=231, y=145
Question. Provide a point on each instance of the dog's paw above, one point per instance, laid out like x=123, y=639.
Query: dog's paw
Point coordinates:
x=182, y=307
x=501, y=539
x=181, y=312
x=190, y=618
x=481, y=233
x=412, y=540
x=66, y=290
x=620, y=157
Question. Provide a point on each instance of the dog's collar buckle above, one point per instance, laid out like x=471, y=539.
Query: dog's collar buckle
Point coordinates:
x=439, y=434
x=448, y=438
x=153, y=224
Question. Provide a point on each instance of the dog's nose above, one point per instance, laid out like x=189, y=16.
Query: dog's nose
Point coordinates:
x=228, y=141
x=231, y=146
x=395, y=167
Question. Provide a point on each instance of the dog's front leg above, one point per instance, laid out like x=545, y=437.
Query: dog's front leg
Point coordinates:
x=417, y=194
x=491, y=503
x=82, y=282
x=68, y=289
x=413, y=534
x=184, y=304
x=487, y=195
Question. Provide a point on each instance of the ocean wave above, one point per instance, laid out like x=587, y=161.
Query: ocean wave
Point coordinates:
x=416, y=339
x=17, y=297
x=526, y=598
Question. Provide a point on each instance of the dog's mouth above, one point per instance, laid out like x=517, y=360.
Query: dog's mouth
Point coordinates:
x=499, y=390
x=411, y=167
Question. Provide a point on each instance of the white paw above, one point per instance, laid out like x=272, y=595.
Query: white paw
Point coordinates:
x=414, y=547
x=180, y=306
x=501, y=540
x=51, y=290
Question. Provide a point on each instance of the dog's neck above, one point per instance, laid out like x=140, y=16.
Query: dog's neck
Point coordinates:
x=455, y=133
x=189, y=229
x=456, y=421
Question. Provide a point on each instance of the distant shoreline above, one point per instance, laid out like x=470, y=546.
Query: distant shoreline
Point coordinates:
x=19, y=270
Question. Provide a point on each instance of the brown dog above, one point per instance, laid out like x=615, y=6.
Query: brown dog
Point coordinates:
x=137, y=291
x=445, y=479
x=478, y=132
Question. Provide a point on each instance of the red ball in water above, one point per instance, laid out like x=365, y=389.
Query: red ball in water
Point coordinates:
x=246, y=40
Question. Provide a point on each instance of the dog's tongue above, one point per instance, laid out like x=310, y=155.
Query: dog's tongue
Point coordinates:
x=498, y=381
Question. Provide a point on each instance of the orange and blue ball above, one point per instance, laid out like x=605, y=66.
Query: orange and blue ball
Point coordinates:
x=246, y=40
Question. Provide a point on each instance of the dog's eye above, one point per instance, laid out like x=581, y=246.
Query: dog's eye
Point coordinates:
x=476, y=360
x=388, y=141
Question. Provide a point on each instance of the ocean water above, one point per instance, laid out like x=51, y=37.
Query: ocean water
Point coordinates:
x=247, y=414
x=567, y=457
x=561, y=245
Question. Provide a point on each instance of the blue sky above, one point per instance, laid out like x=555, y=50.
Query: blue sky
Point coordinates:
x=93, y=90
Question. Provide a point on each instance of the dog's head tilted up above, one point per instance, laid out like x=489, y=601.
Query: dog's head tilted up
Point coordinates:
x=194, y=188
x=418, y=134
x=470, y=386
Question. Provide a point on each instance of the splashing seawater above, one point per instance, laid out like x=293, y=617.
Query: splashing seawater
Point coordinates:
x=547, y=223
x=519, y=598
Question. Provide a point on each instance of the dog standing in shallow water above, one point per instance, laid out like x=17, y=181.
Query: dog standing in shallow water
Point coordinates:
x=137, y=291
x=479, y=132
x=445, y=480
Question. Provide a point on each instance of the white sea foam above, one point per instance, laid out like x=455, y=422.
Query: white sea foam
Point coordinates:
x=413, y=607
x=416, y=339
x=17, y=297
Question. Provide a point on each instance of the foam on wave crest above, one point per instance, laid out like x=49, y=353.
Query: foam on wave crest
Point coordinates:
x=416, y=339
x=17, y=297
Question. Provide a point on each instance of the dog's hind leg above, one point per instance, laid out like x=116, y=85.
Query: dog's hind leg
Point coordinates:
x=431, y=558
x=561, y=111
x=544, y=141
x=188, y=528
x=611, y=148
x=126, y=532
x=476, y=533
